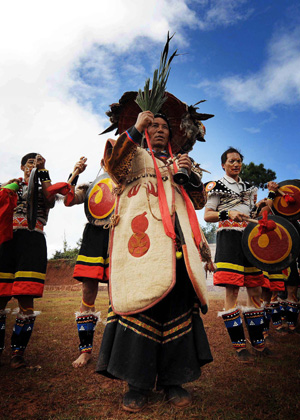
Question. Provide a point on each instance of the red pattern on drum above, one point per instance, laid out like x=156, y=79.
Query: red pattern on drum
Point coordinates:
x=288, y=207
x=102, y=201
x=270, y=247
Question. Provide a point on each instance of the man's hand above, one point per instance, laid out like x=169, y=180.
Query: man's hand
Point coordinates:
x=210, y=267
x=237, y=216
x=185, y=162
x=16, y=180
x=261, y=203
x=143, y=121
x=272, y=186
x=80, y=165
x=40, y=162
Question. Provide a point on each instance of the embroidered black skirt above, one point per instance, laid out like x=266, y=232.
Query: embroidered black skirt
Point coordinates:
x=93, y=261
x=164, y=345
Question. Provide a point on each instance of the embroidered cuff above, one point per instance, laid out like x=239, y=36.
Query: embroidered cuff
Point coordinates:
x=223, y=215
x=43, y=175
x=134, y=135
x=254, y=212
x=271, y=195
x=75, y=180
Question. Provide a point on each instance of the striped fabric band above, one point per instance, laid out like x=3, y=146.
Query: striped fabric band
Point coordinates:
x=131, y=139
x=21, y=223
x=153, y=330
x=230, y=224
x=92, y=260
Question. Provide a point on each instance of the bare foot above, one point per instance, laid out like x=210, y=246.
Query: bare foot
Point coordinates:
x=17, y=362
x=82, y=360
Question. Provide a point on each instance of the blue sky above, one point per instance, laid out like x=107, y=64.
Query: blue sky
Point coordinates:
x=63, y=66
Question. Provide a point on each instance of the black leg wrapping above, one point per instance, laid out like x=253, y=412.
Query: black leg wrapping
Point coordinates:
x=86, y=324
x=2, y=330
x=21, y=334
x=234, y=325
x=276, y=315
x=267, y=319
x=292, y=312
x=255, y=324
x=283, y=305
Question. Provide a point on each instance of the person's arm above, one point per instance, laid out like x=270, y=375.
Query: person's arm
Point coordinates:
x=80, y=192
x=118, y=159
x=267, y=204
x=16, y=180
x=45, y=180
x=194, y=187
x=212, y=216
x=212, y=204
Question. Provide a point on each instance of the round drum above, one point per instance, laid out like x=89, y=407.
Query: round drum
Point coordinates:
x=274, y=250
x=283, y=205
x=100, y=202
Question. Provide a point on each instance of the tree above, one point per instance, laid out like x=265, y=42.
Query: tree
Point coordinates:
x=67, y=253
x=210, y=232
x=257, y=175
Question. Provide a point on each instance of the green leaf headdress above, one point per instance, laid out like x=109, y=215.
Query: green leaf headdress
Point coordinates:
x=152, y=100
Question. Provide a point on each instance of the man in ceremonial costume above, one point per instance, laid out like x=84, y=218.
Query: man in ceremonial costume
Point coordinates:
x=90, y=269
x=154, y=334
x=231, y=201
x=23, y=259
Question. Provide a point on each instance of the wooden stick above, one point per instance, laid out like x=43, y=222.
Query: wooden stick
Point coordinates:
x=204, y=170
x=283, y=193
x=251, y=220
x=201, y=169
x=170, y=161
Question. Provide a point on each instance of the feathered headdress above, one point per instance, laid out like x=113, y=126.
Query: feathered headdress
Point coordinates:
x=185, y=121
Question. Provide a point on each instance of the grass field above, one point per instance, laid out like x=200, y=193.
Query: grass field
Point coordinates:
x=227, y=390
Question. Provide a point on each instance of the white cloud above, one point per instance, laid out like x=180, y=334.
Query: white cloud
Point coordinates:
x=222, y=13
x=45, y=103
x=277, y=82
x=252, y=130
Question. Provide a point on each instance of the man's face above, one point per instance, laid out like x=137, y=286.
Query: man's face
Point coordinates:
x=27, y=168
x=159, y=134
x=233, y=165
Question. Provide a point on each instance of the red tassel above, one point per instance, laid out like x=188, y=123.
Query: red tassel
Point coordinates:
x=70, y=196
x=162, y=199
x=289, y=199
x=62, y=188
x=59, y=188
x=265, y=225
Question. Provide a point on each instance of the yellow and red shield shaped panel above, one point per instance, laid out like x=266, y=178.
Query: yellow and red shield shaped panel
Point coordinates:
x=100, y=201
x=287, y=204
x=271, y=250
